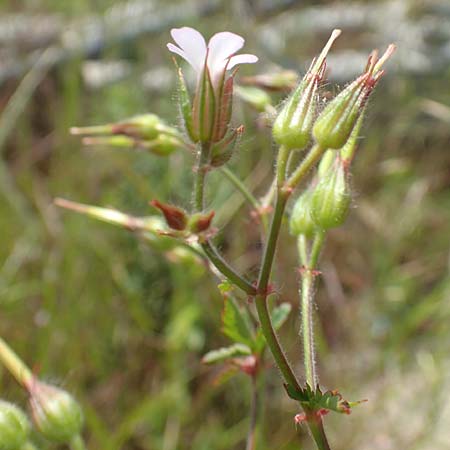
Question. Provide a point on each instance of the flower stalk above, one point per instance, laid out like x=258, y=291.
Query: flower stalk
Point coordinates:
x=15, y=365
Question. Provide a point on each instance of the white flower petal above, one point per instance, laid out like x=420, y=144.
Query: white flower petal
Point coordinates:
x=223, y=45
x=177, y=50
x=192, y=44
x=241, y=59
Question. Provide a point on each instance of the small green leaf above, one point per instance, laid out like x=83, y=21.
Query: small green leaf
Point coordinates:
x=317, y=400
x=235, y=324
x=225, y=353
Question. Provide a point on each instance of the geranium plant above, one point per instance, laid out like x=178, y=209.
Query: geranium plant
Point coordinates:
x=307, y=136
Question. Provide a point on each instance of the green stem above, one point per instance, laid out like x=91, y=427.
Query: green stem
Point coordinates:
x=269, y=253
x=199, y=189
x=254, y=404
x=77, y=443
x=14, y=364
x=264, y=276
x=317, y=430
x=307, y=327
x=307, y=303
x=273, y=343
x=271, y=244
x=282, y=161
x=225, y=269
x=212, y=253
x=311, y=158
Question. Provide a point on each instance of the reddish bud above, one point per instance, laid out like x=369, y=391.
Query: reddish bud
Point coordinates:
x=222, y=151
x=200, y=222
x=224, y=109
x=175, y=217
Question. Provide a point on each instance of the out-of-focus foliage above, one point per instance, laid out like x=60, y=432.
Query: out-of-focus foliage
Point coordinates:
x=125, y=326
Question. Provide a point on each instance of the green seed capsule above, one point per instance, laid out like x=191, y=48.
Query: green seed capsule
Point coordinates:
x=330, y=202
x=14, y=427
x=301, y=221
x=56, y=414
x=336, y=122
x=292, y=127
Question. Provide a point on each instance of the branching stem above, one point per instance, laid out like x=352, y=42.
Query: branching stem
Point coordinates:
x=208, y=247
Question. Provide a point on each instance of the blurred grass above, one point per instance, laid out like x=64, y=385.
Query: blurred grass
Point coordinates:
x=98, y=311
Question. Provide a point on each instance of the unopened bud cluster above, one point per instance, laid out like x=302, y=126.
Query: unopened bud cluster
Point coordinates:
x=146, y=132
x=335, y=131
x=179, y=220
x=297, y=122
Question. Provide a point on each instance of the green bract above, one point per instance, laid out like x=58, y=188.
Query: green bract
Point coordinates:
x=14, y=427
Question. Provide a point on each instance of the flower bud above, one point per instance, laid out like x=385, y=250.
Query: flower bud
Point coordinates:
x=175, y=217
x=256, y=97
x=146, y=131
x=334, y=125
x=301, y=221
x=204, y=108
x=292, y=127
x=144, y=126
x=162, y=145
x=56, y=414
x=222, y=151
x=14, y=427
x=200, y=222
x=339, y=118
x=330, y=201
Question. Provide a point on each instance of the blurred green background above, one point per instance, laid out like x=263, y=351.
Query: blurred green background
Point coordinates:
x=96, y=310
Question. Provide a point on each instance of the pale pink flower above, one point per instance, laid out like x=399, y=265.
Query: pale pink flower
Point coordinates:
x=220, y=53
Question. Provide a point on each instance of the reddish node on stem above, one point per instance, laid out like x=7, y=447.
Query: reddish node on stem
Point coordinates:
x=314, y=272
x=300, y=418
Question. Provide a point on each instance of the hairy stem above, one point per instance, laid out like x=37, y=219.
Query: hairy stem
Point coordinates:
x=225, y=269
x=269, y=254
x=307, y=303
x=254, y=406
x=199, y=188
x=300, y=172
